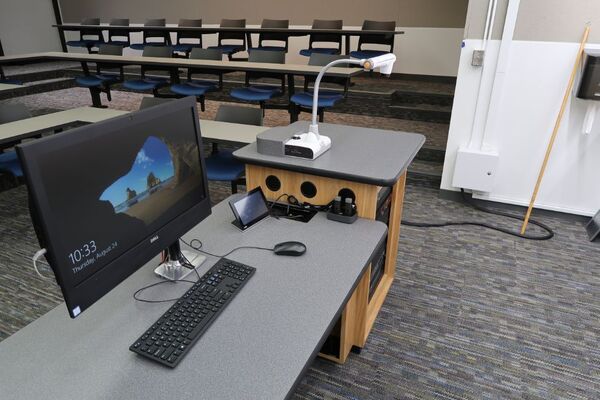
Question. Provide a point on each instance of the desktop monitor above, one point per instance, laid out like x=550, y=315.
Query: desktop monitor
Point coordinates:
x=108, y=197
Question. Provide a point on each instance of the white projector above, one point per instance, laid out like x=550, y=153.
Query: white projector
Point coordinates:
x=311, y=145
x=308, y=145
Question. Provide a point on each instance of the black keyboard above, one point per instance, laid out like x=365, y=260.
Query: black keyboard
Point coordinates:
x=172, y=336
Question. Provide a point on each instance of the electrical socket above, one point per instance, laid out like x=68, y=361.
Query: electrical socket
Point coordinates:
x=478, y=57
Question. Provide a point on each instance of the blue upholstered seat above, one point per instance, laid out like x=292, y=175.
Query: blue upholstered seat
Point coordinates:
x=9, y=161
x=255, y=93
x=186, y=47
x=145, y=84
x=308, y=52
x=228, y=48
x=86, y=43
x=362, y=54
x=96, y=80
x=11, y=81
x=142, y=46
x=223, y=167
x=194, y=88
x=326, y=99
x=123, y=43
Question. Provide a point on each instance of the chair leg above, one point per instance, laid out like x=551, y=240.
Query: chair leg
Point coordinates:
x=262, y=107
x=201, y=101
x=234, y=188
x=108, y=95
x=96, y=100
x=293, y=113
x=221, y=81
x=321, y=112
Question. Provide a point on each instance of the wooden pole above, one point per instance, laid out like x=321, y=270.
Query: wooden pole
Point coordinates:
x=563, y=107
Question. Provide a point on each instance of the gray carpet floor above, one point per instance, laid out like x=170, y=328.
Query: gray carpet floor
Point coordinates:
x=472, y=314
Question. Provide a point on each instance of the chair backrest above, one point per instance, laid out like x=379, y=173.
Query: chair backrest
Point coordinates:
x=153, y=34
x=319, y=59
x=148, y=102
x=110, y=49
x=118, y=32
x=206, y=54
x=157, y=51
x=232, y=23
x=326, y=37
x=240, y=115
x=86, y=32
x=275, y=24
x=193, y=23
x=266, y=56
x=13, y=112
x=377, y=39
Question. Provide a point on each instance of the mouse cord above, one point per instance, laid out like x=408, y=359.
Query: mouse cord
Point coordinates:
x=197, y=245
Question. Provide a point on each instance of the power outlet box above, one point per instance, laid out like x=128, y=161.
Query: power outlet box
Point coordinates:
x=475, y=170
x=478, y=57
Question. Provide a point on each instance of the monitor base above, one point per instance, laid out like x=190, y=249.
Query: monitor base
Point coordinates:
x=175, y=270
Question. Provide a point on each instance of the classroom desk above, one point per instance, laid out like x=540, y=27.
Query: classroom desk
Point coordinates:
x=173, y=64
x=8, y=86
x=229, y=133
x=367, y=164
x=258, y=348
x=346, y=33
x=16, y=131
x=211, y=131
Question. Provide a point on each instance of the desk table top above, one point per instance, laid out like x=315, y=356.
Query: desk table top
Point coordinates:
x=366, y=155
x=258, y=348
x=14, y=130
x=9, y=86
x=294, y=69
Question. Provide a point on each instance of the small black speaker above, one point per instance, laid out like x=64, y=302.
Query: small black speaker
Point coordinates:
x=308, y=189
x=273, y=183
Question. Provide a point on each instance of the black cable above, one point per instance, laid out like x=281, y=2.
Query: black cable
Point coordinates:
x=198, y=247
x=137, y=292
x=275, y=201
x=186, y=264
x=549, y=235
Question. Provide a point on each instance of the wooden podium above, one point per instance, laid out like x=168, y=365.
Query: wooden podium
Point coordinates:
x=367, y=164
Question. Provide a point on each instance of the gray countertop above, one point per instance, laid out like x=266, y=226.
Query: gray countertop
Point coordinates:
x=373, y=156
x=258, y=348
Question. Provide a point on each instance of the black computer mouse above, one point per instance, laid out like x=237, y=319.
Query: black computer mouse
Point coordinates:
x=289, y=249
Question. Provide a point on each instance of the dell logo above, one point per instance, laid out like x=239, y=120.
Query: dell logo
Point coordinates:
x=154, y=239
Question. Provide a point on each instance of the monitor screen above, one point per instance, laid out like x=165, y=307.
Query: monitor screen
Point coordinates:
x=112, y=195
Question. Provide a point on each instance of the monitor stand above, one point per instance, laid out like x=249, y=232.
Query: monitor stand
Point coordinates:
x=178, y=266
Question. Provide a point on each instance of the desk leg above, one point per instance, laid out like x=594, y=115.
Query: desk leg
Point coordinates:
x=174, y=75
x=249, y=40
x=384, y=285
x=347, y=44
x=291, y=91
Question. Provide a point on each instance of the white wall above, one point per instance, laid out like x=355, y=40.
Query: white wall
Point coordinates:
x=26, y=27
x=535, y=82
x=421, y=51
